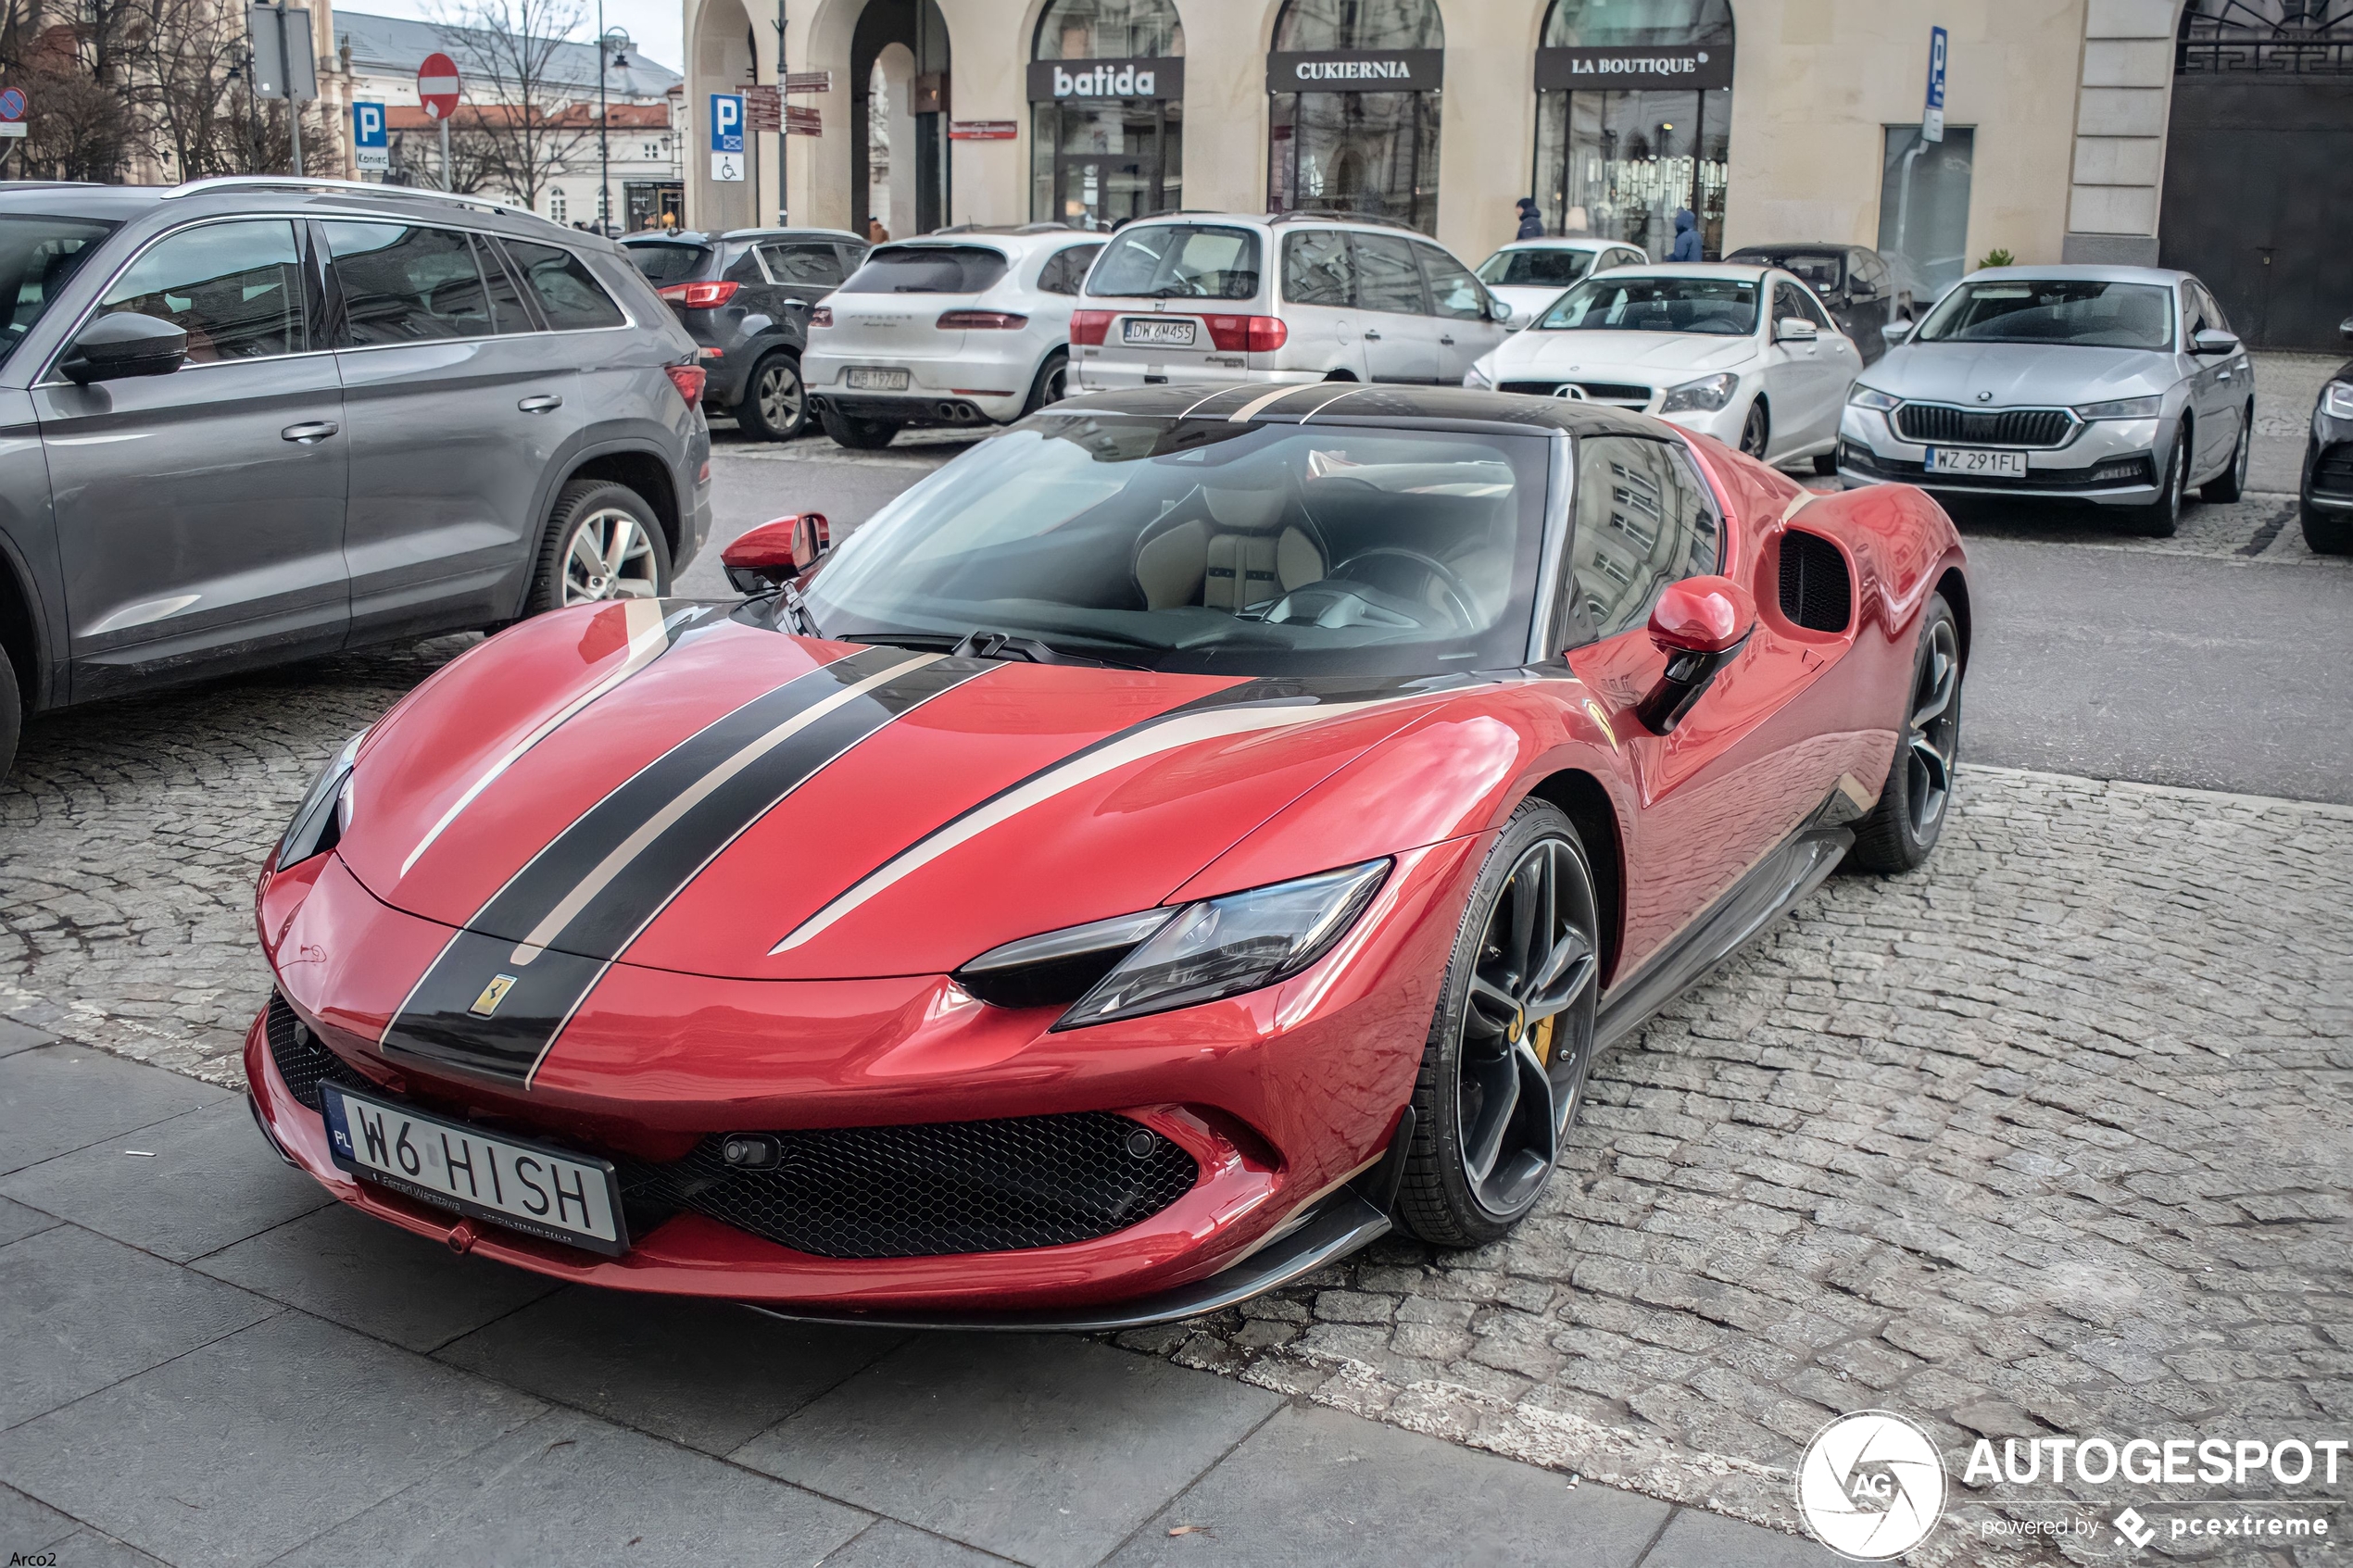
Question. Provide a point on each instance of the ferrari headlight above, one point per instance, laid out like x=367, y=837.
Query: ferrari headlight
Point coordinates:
x=1705, y=395
x=2337, y=398
x=1479, y=377
x=326, y=811
x=2123, y=408
x=1871, y=398
x=1222, y=947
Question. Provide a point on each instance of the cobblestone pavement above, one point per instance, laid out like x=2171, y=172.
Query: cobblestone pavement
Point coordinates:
x=2054, y=1136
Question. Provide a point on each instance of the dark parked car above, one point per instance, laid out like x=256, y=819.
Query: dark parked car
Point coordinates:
x=1864, y=290
x=745, y=296
x=254, y=420
x=2327, y=498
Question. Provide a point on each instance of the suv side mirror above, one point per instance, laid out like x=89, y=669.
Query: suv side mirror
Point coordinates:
x=124, y=344
x=1862, y=289
x=1896, y=331
x=768, y=555
x=1501, y=313
x=1700, y=623
x=1794, y=329
x=2210, y=342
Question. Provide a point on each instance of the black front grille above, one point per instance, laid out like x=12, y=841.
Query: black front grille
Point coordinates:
x=1816, y=592
x=1933, y=423
x=925, y=1191
x=1599, y=391
x=303, y=1061
x=2332, y=472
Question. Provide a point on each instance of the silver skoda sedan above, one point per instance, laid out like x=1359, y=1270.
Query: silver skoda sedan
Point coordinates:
x=2119, y=385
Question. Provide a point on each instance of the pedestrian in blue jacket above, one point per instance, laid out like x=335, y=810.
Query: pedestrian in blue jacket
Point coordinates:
x=1531, y=222
x=1686, y=236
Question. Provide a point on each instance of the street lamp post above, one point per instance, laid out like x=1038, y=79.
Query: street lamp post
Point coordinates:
x=613, y=46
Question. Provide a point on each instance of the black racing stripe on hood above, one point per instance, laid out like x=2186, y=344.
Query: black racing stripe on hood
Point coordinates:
x=560, y=922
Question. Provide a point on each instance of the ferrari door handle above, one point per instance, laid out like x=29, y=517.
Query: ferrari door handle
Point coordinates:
x=1371, y=336
x=546, y=403
x=305, y=434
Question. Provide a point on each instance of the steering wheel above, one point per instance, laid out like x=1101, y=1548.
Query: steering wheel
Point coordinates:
x=1455, y=598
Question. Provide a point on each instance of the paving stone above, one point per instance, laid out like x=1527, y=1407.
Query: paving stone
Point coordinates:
x=18, y=1221
x=709, y=1374
x=1051, y=1450
x=888, y=1544
x=255, y=1442
x=621, y=1496
x=1308, y=1487
x=78, y=1312
x=88, y=1548
x=56, y=1098
x=1695, y=1539
x=27, y=1525
x=15, y=1037
x=362, y=1273
x=202, y=1181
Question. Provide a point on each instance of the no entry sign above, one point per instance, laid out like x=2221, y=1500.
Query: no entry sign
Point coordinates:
x=437, y=86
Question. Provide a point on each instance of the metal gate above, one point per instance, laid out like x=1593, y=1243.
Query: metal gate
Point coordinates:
x=2258, y=165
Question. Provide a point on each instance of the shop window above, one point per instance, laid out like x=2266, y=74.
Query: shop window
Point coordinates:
x=1634, y=112
x=1354, y=115
x=1923, y=208
x=1106, y=88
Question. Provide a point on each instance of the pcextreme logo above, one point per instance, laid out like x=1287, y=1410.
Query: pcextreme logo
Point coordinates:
x=1871, y=1485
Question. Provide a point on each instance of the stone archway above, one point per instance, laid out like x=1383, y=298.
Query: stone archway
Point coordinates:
x=721, y=57
x=890, y=140
x=916, y=133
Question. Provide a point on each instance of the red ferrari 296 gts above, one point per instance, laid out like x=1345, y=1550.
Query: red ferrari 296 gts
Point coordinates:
x=1175, y=842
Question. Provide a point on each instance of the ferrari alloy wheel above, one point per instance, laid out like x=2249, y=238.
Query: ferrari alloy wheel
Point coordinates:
x=1902, y=828
x=774, y=407
x=2162, y=516
x=1504, y=1071
x=1756, y=429
x=603, y=543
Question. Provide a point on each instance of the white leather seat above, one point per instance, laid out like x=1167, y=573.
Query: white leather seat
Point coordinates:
x=1231, y=550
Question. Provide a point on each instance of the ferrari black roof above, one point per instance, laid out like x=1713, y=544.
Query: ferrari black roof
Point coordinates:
x=1353, y=403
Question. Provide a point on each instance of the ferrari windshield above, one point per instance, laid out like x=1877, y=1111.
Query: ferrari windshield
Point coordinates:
x=1212, y=547
x=1721, y=306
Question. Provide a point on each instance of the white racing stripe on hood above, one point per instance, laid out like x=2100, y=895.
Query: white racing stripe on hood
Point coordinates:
x=1149, y=740
x=648, y=638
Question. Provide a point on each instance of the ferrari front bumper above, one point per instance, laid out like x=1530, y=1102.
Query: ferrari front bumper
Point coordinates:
x=1287, y=1100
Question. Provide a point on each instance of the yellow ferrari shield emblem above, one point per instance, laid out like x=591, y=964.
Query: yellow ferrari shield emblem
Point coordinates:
x=492, y=995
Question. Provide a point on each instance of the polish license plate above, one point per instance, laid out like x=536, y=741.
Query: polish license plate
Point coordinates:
x=1971, y=460
x=1155, y=332
x=865, y=378
x=545, y=1192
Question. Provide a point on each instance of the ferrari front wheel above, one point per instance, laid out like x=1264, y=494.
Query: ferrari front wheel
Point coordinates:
x=1903, y=827
x=1503, y=1071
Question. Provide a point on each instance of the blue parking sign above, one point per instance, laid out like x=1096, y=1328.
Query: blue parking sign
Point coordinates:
x=726, y=136
x=1932, y=113
x=370, y=144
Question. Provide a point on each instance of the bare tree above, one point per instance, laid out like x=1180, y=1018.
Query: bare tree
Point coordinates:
x=505, y=50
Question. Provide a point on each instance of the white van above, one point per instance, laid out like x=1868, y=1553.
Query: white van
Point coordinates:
x=1299, y=297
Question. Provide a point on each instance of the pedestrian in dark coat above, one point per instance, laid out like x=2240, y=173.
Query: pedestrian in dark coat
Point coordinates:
x=1686, y=236
x=1531, y=222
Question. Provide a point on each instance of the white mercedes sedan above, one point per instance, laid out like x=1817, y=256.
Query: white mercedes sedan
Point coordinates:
x=1744, y=353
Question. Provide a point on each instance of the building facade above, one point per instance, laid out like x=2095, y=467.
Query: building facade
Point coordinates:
x=1772, y=120
x=631, y=155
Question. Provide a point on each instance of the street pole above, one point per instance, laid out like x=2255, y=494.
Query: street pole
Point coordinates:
x=448, y=177
x=286, y=75
x=604, y=139
x=784, y=118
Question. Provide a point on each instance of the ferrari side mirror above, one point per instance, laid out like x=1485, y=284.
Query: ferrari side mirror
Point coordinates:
x=766, y=556
x=1700, y=623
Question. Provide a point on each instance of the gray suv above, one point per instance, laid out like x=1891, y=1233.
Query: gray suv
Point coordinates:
x=253, y=419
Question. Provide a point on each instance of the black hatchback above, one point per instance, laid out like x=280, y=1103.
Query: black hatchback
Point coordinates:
x=744, y=296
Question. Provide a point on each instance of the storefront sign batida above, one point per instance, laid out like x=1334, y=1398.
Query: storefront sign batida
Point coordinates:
x=1633, y=66
x=1051, y=81
x=1356, y=71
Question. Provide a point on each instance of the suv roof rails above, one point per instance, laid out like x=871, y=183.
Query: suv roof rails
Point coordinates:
x=304, y=183
x=1336, y=215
